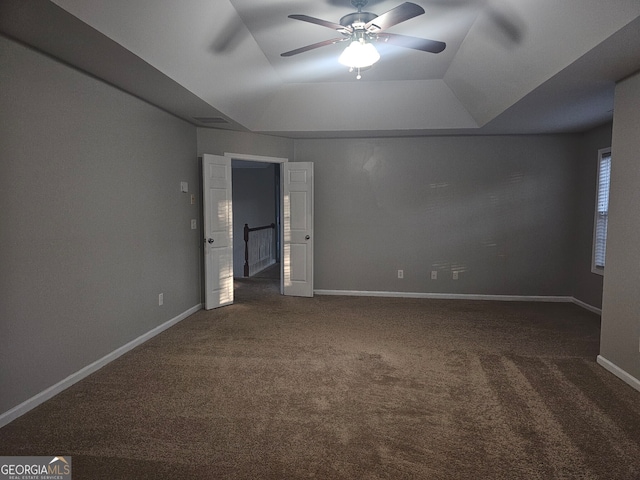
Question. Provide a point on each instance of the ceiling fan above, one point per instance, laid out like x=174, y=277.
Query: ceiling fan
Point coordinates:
x=361, y=29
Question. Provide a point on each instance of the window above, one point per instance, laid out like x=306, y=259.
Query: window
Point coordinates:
x=602, y=211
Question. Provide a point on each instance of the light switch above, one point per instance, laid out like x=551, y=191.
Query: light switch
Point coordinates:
x=193, y=199
x=184, y=187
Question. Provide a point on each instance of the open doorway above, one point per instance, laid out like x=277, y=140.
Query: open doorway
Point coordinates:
x=256, y=219
x=296, y=228
x=257, y=204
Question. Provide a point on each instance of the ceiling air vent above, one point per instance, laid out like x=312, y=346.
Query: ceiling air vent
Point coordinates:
x=211, y=120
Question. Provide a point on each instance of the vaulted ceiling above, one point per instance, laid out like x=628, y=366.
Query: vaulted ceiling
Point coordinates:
x=510, y=66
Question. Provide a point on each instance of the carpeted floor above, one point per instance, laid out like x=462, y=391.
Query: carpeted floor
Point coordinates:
x=277, y=387
x=272, y=271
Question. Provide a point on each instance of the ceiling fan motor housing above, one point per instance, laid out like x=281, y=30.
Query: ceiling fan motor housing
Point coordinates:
x=357, y=20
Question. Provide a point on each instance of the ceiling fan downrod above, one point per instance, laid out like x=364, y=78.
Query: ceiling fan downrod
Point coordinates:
x=359, y=4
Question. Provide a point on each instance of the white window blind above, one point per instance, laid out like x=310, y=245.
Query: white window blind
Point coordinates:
x=602, y=209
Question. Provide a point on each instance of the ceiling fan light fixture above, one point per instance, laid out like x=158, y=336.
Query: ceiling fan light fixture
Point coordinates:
x=359, y=54
x=362, y=28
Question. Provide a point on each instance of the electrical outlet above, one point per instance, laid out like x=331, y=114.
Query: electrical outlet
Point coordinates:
x=455, y=274
x=161, y=299
x=194, y=224
x=400, y=273
x=434, y=274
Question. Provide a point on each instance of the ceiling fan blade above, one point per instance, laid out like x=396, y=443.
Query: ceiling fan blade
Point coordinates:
x=510, y=25
x=313, y=46
x=323, y=23
x=394, y=16
x=431, y=46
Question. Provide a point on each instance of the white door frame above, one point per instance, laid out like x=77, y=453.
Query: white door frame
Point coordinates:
x=281, y=161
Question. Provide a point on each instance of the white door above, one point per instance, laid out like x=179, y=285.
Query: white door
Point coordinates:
x=297, y=259
x=218, y=231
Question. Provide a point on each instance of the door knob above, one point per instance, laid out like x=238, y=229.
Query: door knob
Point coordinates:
x=307, y=237
x=210, y=240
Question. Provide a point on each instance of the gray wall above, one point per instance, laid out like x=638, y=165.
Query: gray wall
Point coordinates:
x=588, y=285
x=92, y=226
x=621, y=299
x=217, y=142
x=254, y=203
x=500, y=210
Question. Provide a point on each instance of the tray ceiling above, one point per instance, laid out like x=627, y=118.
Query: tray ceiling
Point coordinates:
x=510, y=66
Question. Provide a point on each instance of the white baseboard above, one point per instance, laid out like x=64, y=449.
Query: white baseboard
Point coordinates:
x=448, y=296
x=463, y=296
x=618, y=372
x=53, y=390
x=586, y=306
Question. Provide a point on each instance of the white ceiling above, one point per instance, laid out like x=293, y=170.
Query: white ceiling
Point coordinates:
x=510, y=66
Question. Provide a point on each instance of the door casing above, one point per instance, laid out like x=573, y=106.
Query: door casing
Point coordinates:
x=281, y=162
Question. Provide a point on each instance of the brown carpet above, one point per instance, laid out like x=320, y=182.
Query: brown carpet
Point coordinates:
x=349, y=388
